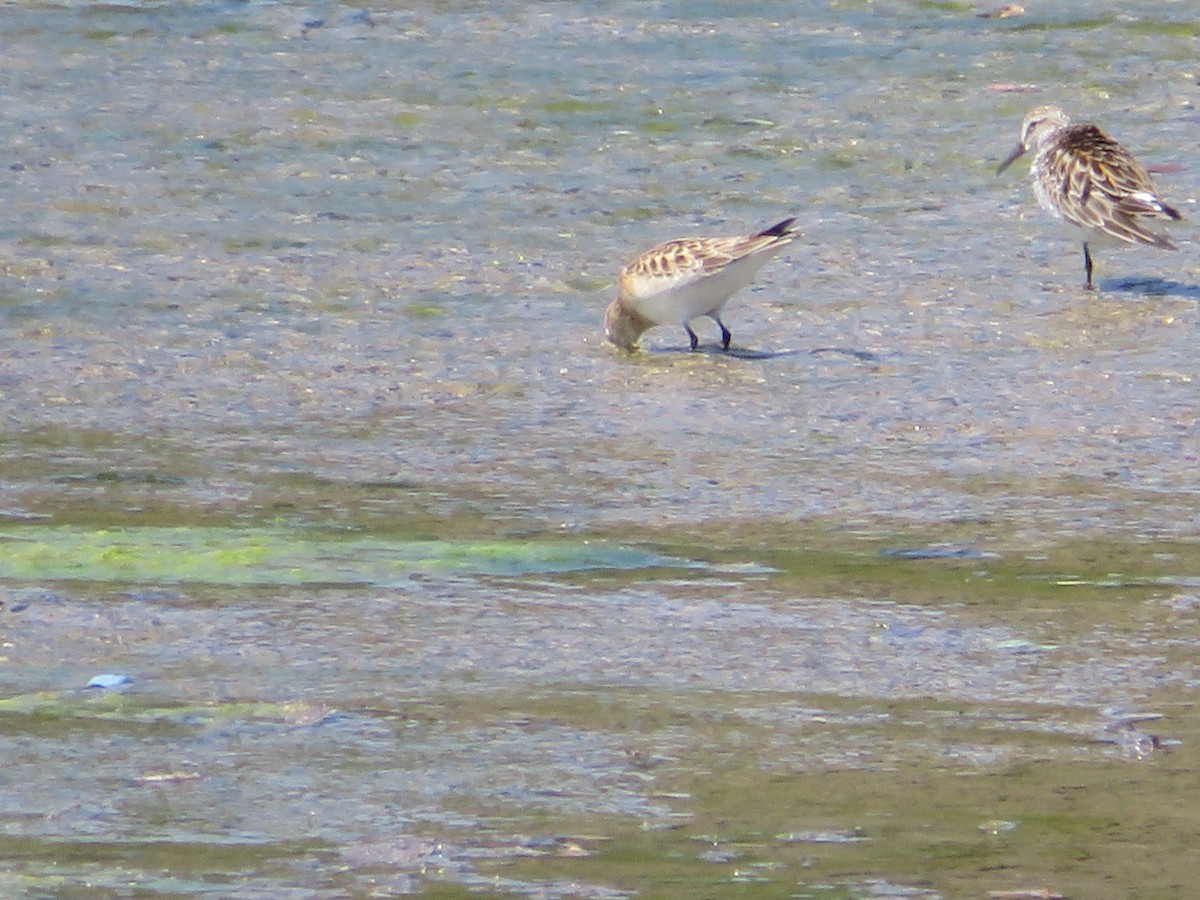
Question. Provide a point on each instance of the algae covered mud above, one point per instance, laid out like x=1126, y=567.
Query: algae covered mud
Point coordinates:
x=390, y=577
x=294, y=714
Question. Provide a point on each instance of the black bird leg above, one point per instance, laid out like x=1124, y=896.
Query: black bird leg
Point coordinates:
x=1087, y=265
x=726, y=334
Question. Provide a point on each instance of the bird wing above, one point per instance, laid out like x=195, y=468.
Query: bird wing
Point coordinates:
x=723, y=251
x=673, y=262
x=1105, y=187
x=685, y=260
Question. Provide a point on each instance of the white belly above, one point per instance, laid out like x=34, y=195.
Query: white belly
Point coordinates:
x=682, y=300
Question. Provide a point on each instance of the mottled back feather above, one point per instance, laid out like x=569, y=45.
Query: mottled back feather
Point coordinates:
x=687, y=278
x=682, y=258
x=1095, y=183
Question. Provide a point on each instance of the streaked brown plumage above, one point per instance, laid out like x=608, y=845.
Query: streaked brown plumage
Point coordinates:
x=1084, y=178
x=685, y=279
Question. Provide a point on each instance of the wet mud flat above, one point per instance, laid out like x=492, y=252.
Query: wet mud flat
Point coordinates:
x=588, y=720
x=392, y=578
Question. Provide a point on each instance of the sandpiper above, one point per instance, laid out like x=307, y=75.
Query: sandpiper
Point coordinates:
x=685, y=279
x=1083, y=177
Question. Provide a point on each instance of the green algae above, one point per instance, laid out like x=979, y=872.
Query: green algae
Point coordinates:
x=95, y=705
x=578, y=105
x=759, y=800
x=265, y=556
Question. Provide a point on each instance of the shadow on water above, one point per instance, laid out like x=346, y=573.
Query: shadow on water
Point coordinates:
x=1153, y=287
x=748, y=353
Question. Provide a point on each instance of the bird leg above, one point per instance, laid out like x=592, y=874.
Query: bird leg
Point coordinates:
x=1087, y=265
x=691, y=335
x=726, y=335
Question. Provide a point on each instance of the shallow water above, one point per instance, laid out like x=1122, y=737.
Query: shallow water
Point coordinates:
x=311, y=431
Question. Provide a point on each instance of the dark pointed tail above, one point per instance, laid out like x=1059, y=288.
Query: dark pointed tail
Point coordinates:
x=782, y=229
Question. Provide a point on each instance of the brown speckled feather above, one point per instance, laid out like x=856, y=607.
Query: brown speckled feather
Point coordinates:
x=687, y=278
x=1088, y=180
x=686, y=257
x=1100, y=185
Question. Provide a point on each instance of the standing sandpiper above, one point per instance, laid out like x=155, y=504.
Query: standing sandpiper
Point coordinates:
x=1083, y=177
